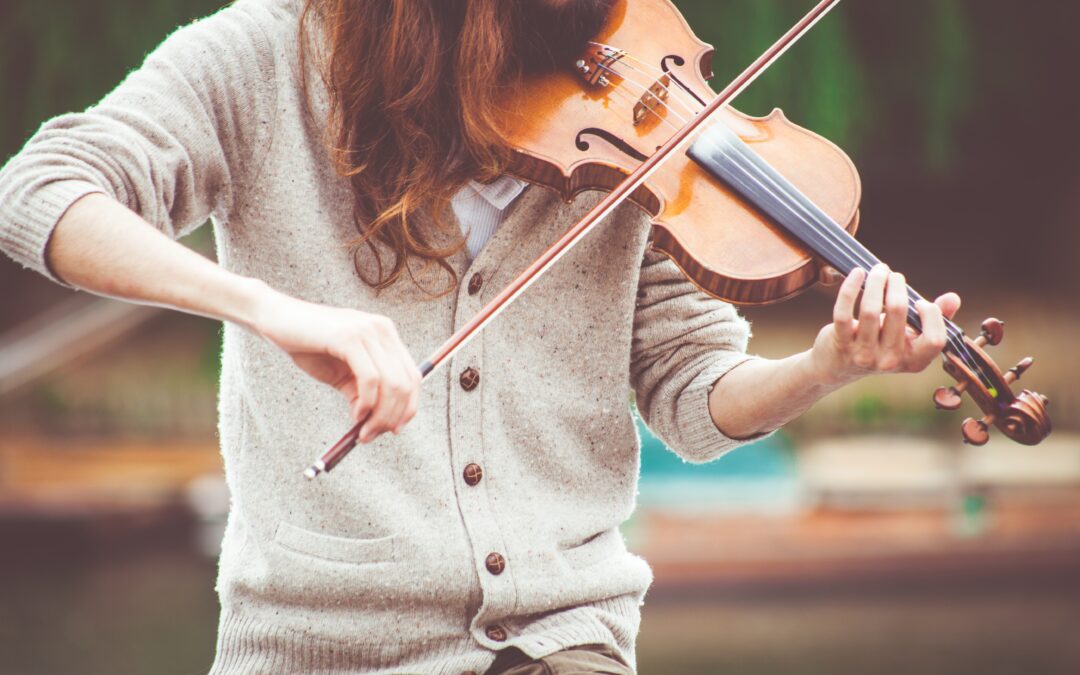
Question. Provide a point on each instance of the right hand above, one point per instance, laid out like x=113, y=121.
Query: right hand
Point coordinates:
x=359, y=354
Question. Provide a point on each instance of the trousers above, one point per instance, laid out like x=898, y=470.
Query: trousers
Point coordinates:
x=583, y=660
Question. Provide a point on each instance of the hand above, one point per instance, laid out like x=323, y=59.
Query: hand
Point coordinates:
x=879, y=339
x=358, y=354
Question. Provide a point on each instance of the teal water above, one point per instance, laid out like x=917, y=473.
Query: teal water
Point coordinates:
x=771, y=457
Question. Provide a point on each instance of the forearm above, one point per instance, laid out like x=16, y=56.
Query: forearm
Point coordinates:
x=102, y=246
x=761, y=395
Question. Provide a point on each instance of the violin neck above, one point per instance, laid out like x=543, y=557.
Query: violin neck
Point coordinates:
x=725, y=156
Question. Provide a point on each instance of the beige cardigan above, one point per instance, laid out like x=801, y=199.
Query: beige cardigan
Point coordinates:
x=384, y=565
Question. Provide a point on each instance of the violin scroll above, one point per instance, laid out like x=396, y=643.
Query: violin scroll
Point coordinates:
x=1022, y=417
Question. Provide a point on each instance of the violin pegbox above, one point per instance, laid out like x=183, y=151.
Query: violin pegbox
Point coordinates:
x=1021, y=417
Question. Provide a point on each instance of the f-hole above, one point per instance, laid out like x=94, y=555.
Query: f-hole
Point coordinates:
x=620, y=144
x=679, y=62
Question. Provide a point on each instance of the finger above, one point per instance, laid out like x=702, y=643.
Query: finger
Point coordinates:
x=896, y=307
x=870, y=310
x=413, y=380
x=389, y=401
x=928, y=345
x=949, y=304
x=410, y=409
x=844, y=308
x=404, y=380
x=365, y=384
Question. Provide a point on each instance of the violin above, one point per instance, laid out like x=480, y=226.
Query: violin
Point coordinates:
x=754, y=210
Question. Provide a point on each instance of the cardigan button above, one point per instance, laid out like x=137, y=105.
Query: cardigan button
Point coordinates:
x=495, y=563
x=472, y=474
x=496, y=633
x=475, y=284
x=470, y=377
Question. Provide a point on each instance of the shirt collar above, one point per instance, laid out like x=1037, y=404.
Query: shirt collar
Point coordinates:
x=500, y=192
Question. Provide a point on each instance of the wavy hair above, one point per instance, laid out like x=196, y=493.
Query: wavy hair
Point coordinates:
x=414, y=89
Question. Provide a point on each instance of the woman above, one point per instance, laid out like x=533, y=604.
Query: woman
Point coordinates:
x=347, y=152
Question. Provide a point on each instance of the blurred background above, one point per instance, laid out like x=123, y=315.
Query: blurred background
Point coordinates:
x=864, y=538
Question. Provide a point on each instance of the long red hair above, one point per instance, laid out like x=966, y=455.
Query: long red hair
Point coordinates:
x=414, y=89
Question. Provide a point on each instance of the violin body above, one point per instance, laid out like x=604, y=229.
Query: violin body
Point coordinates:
x=572, y=137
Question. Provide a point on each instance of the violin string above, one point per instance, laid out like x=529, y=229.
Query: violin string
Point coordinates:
x=838, y=239
x=866, y=260
x=852, y=249
x=863, y=258
x=689, y=106
x=629, y=59
x=645, y=69
x=841, y=240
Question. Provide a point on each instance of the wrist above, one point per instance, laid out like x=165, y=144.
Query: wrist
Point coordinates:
x=824, y=372
x=255, y=302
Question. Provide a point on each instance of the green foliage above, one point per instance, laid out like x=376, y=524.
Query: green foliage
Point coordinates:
x=948, y=93
x=816, y=83
x=880, y=413
x=865, y=67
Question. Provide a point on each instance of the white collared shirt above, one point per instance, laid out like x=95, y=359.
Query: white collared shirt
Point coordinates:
x=480, y=209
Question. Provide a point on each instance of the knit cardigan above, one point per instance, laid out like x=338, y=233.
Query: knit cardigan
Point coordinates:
x=383, y=565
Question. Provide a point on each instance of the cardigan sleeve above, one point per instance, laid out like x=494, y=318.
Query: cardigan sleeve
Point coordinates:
x=684, y=341
x=171, y=142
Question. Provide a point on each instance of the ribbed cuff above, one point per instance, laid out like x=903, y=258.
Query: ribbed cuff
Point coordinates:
x=34, y=219
x=702, y=441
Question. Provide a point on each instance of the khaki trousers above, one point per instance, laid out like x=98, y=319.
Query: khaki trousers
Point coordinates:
x=583, y=660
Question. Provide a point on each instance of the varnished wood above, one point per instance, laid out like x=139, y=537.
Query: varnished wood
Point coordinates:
x=723, y=244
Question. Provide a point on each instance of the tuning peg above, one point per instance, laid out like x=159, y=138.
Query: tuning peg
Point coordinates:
x=977, y=432
x=993, y=330
x=949, y=398
x=1014, y=373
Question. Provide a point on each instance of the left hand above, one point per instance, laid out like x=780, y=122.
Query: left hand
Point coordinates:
x=879, y=339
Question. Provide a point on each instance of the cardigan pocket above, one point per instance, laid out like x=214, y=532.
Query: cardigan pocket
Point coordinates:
x=333, y=548
x=595, y=549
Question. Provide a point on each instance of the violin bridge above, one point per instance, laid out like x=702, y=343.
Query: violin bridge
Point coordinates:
x=653, y=101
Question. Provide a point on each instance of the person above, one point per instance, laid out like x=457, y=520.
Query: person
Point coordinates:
x=347, y=153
